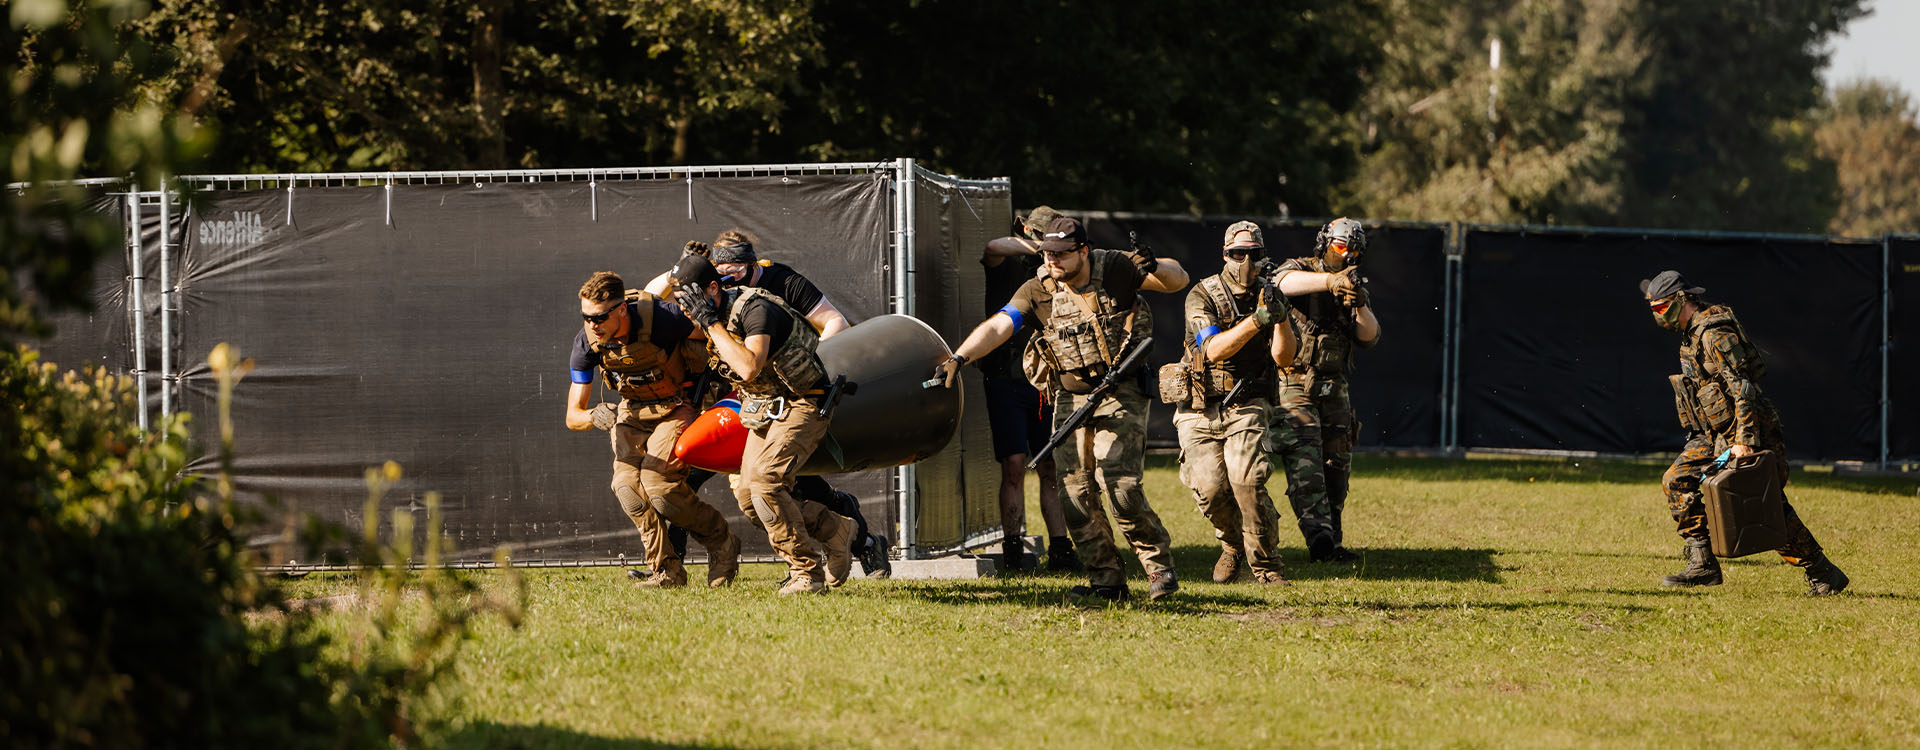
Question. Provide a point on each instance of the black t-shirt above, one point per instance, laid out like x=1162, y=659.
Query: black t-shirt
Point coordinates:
x=1002, y=281
x=670, y=327
x=792, y=288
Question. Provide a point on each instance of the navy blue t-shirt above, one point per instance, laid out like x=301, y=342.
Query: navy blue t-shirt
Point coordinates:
x=670, y=328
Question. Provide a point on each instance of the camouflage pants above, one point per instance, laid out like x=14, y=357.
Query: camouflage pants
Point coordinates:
x=1223, y=460
x=1312, y=440
x=652, y=486
x=1115, y=439
x=1684, y=501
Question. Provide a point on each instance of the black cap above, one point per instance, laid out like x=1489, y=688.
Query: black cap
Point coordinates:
x=1063, y=234
x=693, y=272
x=1666, y=284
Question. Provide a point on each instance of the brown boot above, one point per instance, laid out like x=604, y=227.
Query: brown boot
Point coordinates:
x=1227, y=568
x=839, y=549
x=1270, y=578
x=723, y=563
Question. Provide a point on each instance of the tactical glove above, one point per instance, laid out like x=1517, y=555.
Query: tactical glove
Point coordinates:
x=949, y=371
x=605, y=416
x=1342, y=284
x=698, y=308
x=1357, y=298
x=1142, y=256
x=697, y=247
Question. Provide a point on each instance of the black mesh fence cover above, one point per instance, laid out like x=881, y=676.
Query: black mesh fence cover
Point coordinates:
x=1395, y=386
x=1903, y=278
x=435, y=332
x=1559, y=352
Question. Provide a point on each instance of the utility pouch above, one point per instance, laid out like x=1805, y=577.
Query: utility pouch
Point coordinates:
x=1176, y=387
x=1746, y=505
x=648, y=411
x=1036, y=362
x=1683, y=404
x=1716, y=410
x=759, y=411
x=1330, y=352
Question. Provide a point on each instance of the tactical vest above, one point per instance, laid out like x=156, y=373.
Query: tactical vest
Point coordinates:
x=1700, y=392
x=1085, y=334
x=1216, y=380
x=792, y=370
x=638, y=369
x=1325, y=329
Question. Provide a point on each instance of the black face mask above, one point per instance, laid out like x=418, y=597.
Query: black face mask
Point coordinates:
x=728, y=296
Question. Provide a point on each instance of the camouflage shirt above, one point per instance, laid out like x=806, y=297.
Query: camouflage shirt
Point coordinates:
x=1725, y=369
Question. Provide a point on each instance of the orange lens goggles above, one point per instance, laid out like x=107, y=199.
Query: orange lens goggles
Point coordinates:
x=1660, y=306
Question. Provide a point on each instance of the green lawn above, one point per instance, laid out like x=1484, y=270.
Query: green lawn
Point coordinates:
x=1500, y=603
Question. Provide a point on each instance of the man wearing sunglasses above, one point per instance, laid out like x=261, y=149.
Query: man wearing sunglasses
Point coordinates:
x=1717, y=395
x=1314, y=429
x=1221, y=393
x=1087, y=312
x=637, y=341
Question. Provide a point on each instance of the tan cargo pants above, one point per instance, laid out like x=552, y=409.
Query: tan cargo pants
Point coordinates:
x=652, y=484
x=768, y=467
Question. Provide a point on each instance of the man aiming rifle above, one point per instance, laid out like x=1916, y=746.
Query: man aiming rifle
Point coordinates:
x=1089, y=318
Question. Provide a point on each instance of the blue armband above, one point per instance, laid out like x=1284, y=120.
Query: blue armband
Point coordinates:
x=1200, y=339
x=1014, y=313
x=580, y=376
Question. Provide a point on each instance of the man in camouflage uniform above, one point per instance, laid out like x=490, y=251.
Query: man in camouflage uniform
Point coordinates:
x=1314, y=430
x=638, y=341
x=767, y=351
x=1221, y=391
x=1088, y=312
x=1717, y=394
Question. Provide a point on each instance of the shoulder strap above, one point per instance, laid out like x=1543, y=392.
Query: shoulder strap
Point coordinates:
x=643, y=302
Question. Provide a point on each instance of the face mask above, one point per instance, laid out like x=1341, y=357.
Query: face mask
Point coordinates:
x=1668, y=316
x=728, y=297
x=1241, y=272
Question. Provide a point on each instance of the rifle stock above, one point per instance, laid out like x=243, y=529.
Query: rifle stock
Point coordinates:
x=1100, y=392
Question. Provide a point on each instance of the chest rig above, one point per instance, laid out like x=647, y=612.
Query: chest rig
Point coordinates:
x=792, y=370
x=637, y=369
x=1194, y=380
x=1702, y=391
x=1086, y=333
x=1325, y=330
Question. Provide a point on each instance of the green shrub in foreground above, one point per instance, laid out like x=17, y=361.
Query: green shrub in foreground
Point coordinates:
x=131, y=617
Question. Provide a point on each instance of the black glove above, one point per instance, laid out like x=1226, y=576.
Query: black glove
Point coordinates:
x=697, y=247
x=1273, y=304
x=605, y=416
x=698, y=308
x=1142, y=256
x=949, y=371
x=1357, y=298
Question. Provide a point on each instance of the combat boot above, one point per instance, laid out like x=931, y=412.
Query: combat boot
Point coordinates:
x=1825, y=578
x=1161, y=585
x=1061, y=557
x=1109, y=593
x=1702, y=569
x=1270, y=578
x=660, y=579
x=1013, y=556
x=1227, y=568
x=803, y=585
x=723, y=563
x=874, y=557
x=839, y=547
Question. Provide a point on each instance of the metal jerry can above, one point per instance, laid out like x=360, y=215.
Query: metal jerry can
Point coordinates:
x=1746, y=505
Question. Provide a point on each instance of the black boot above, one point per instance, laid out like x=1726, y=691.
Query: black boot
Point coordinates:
x=1061, y=557
x=1825, y=578
x=1702, y=569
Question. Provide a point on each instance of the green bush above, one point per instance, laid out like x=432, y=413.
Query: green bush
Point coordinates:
x=132, y=616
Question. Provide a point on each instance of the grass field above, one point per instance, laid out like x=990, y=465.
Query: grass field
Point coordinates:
x=1500, y=603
